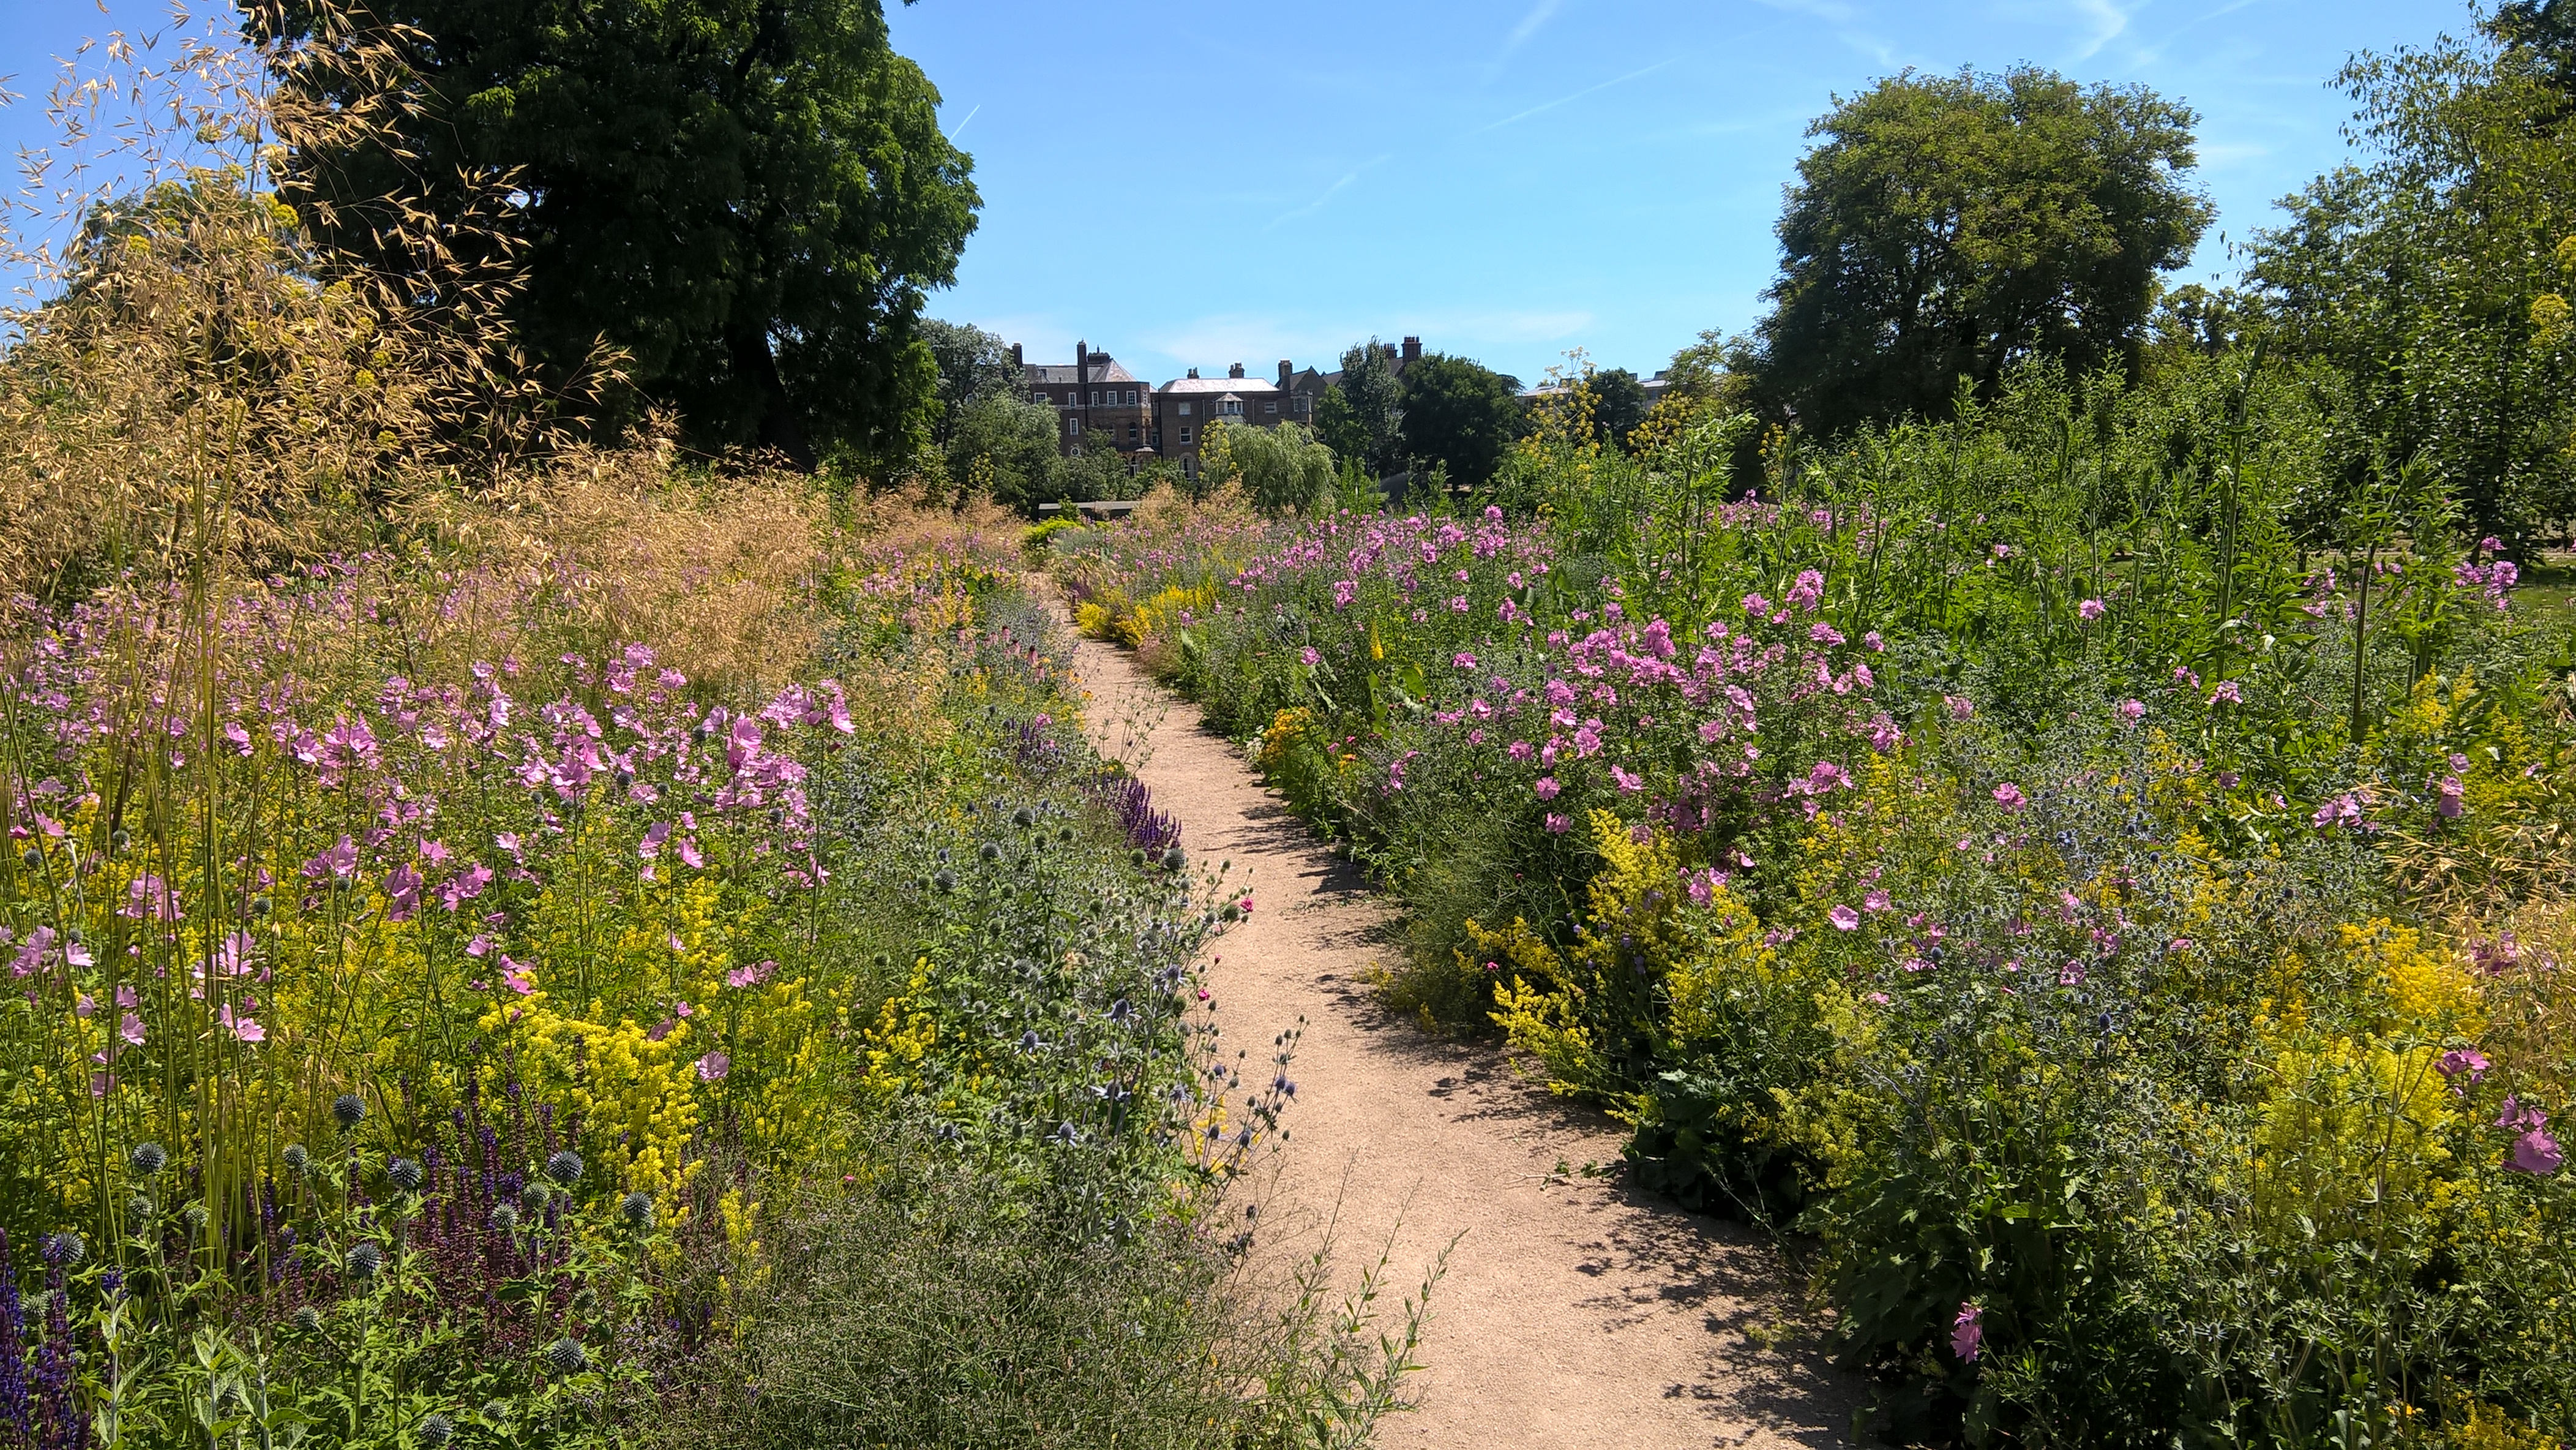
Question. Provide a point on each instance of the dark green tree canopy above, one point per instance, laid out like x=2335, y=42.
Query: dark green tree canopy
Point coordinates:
x=1951, y=226
x=1361, y=416
x=750, y=198
x=1461, y=414
x=1618, y=405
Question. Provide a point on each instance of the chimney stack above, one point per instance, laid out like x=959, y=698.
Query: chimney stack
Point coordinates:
x=1235, y=371
x=1081, y=366
x=1016, y=360
x=1285, y=372
x=1390, y=350
x=1413, y=349
x=1194, y=372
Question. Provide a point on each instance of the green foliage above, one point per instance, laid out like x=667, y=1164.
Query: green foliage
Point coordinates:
x=1361, y=416
x=1952, y=227
x=1283, y=468
x=1460, y=414
x=973, y=365
x=2432, y=276
x=1003, y=446
x=1618, y=404
x=748, y=200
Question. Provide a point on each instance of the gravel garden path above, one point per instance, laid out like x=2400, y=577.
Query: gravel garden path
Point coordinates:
x=1575, y=1311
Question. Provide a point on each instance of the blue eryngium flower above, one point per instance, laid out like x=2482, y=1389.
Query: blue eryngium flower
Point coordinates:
x=433, y=1430
x=564, y=1167
x=363, y=1261
x=637, y=1209
x=348, y=1110
x=147, y=1159
x=405, y=1174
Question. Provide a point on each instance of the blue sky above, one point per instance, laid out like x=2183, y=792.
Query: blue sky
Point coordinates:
x=1195, y=184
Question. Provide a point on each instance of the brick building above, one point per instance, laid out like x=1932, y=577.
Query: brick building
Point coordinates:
x=1090, y=394
x=1094, y=392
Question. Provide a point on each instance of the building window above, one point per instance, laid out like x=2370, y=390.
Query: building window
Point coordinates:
x=1185, y=435
x=1185, y=410
x=1270, y=407
x=1041, y=396
x=1135, y=434
x=1073, y=426
x=1131, y=397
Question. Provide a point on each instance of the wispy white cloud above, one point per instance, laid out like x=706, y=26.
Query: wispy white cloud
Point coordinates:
x=1847, y=23
x=1575, y=96
x=2106, y=22
x=1340, y=184
x=1538, y=15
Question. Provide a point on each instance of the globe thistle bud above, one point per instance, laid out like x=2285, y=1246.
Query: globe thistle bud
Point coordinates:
x=296, y=1158
x=348, y=1110
x=1024, y=818
x=944, y=881
x=1065, y=835
x=494, y=1412
x=1232, y=913
x=64, y=1249
x=259, y=906
x=147, y=1159
x=565, y=1356
x=433, y=1431
x=586, y=1303
x=1136, y=857
x=194, y=1216
x=309, y=1319
x=534, y=1196
x=139, y=1207
x=505, y=1217
x=33, y=859
x=988, y=851
x=363, y=1260
x=564, y=1167
x=1173, y=860
x=405, y=1174
x=637, y=1209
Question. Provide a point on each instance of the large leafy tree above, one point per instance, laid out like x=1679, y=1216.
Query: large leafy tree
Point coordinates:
x=1461, y=414
x=1361, y=416
x=1953, y=226
x=2435, y=272
x=749, y=198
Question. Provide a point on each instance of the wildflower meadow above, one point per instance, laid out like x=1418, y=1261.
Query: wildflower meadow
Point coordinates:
x=2107, y=912
x=512, y=939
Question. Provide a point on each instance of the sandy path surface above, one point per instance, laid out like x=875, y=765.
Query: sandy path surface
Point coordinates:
x=1575, y=1311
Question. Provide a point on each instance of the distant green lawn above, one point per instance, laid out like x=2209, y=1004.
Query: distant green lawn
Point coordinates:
x=2549, y=584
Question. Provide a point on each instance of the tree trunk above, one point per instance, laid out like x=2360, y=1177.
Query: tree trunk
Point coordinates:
x=756, y=366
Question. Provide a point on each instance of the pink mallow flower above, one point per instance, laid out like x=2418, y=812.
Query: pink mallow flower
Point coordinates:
x=713, y=1067
x=2463, y=1060
x=1546, y=789
x=1968, y=1333
x=2009, y=796
x=2091, y=609
x=1844, y=918
x=1558, y=824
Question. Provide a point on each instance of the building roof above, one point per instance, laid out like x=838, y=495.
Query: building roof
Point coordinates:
x=1108, y=372
x=1219, y=385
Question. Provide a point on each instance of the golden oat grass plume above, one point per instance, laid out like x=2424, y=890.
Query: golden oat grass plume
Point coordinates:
x=185, y=377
